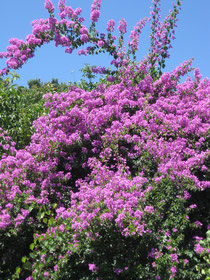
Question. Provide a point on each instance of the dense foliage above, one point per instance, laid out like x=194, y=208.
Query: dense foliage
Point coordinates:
x=114, y=183
x=19, y=107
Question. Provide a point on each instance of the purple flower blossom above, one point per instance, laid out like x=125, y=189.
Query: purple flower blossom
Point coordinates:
x=83, y=30
x=198, y=224
x=56, y=267
x=111, y=79
x=77, y=12
x=192, y=206
x=69, y=50
x=186, y=261
x=84, y=38
x=100, y=43
x=198, y=238
x=61, y=5
x=149, y=209
x=82, y=52
x=62, y=228
x=198, y=248
x=92, y=267
x=118, y=271
x=174, y=258
x=173, y=270
x=9, y=205
x=46, y=274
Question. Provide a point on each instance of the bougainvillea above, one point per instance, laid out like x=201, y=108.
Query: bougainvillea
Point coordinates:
x=115, y=182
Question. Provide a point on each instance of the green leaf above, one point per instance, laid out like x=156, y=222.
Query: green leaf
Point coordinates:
x=42, y=215
x=55, y=205
x=27, y=266
x=48, y=212
x=50, y=221
x=18, y=269
x=45, y=220
x=32, y=245
x=30, y=208
x=24, y=259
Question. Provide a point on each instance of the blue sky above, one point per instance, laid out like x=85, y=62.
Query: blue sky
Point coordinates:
x=192, y=35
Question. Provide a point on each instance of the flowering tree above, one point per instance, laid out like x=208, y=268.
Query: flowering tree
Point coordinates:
x=114, y=184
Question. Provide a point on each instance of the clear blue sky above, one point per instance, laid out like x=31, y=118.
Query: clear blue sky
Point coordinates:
x=192, y=35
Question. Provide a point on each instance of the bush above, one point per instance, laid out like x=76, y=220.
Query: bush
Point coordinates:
x=114, y=183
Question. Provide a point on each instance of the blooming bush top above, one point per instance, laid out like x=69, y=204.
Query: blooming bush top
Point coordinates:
x=98, y=155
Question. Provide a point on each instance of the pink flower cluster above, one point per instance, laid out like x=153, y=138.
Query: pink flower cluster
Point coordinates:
x=162, y=33
x=134, y=37
x=118, y=198
x=95, y=10
x=98, y=70
x=110, y=25
x=49, y=6
x=122, y=27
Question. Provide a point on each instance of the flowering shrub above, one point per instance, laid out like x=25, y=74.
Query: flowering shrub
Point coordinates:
x=114, y=184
